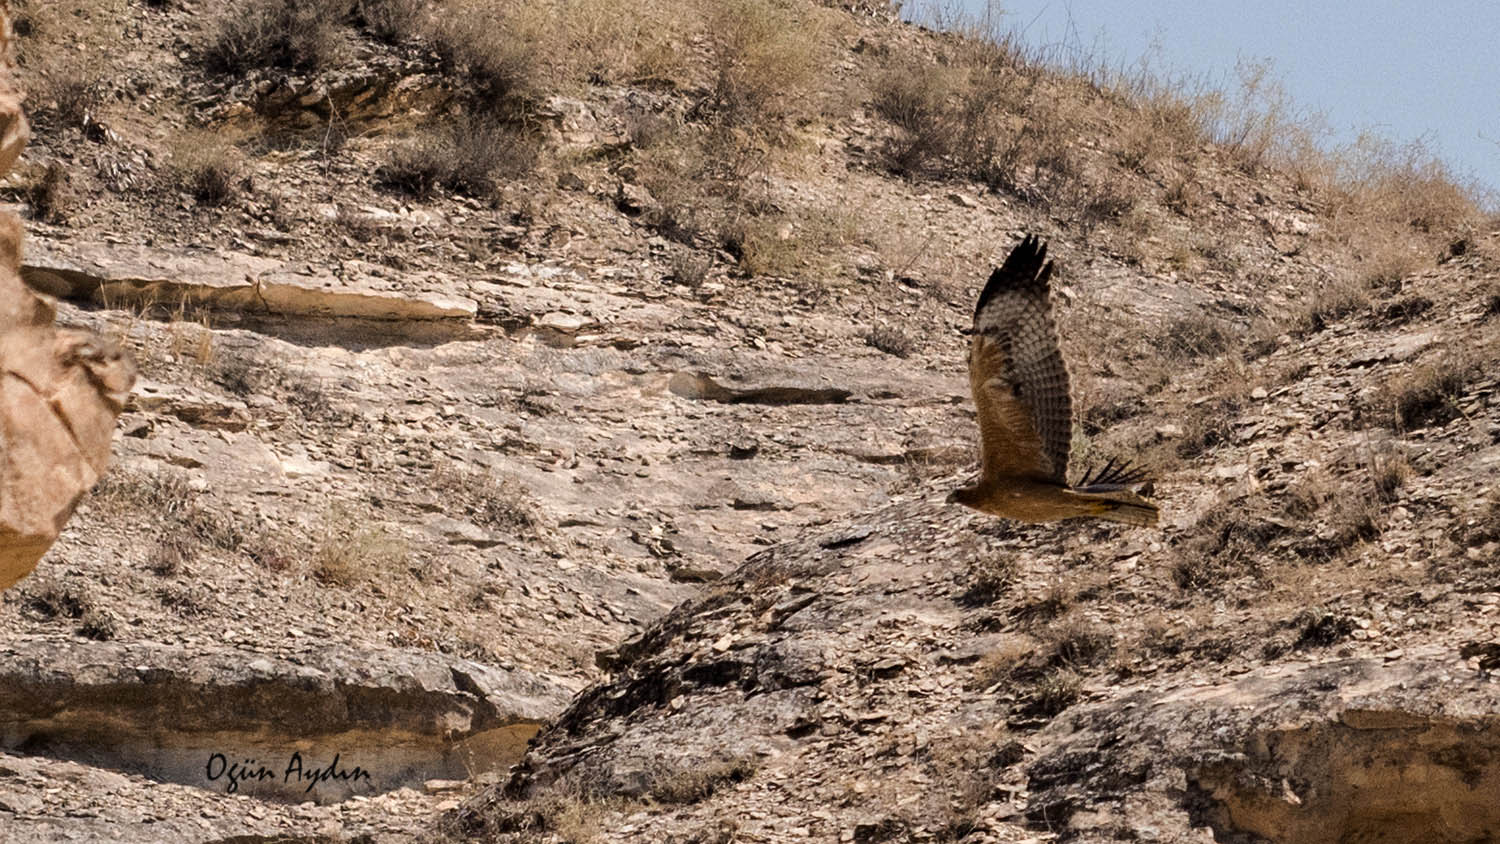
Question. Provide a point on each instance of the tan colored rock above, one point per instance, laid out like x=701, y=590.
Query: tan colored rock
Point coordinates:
x=60, y=392
x=116, y=273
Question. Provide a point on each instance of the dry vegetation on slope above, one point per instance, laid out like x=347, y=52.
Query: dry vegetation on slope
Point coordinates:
x=767, y=192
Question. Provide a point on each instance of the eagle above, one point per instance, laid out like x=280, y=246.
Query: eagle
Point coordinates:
x=1020, y=385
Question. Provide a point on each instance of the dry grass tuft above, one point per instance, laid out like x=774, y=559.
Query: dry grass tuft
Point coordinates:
x=467, y=156
x=764, y=59
x=351, y=551
x=167, y=498
x=786, y=246
x=51, y=196
x=288, y=34
x=891, y=340
x=690, y=269
x=1426, y=394
x=497, y=52
x=71, y=94
x=698, y=784
x=1335, y=300
x=1389, y=470
x=490, y=501
x=392, y=21
x=989, y=577
x=207, y=165
x=1195, y=336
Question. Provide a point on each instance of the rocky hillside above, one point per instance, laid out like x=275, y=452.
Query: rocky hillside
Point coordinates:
x=592, y=374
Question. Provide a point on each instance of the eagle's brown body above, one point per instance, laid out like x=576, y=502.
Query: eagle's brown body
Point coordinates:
x=1025, y=411
x=1033, y=501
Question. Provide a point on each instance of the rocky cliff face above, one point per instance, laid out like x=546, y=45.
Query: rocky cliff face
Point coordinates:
x=599, y=376
x=60, y=390
x=1251, y=672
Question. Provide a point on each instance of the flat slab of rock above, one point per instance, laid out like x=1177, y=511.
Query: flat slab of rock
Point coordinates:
x=324, y=725
x=696, y=385
x=118, y=273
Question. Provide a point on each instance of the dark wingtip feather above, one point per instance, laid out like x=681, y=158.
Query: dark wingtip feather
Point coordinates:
x=1113, y=474
x=1025, y=267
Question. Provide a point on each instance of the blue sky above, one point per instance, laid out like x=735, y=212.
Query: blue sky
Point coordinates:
x=1402, y=70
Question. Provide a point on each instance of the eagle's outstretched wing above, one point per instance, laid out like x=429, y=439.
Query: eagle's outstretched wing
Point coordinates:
x=1017, y=372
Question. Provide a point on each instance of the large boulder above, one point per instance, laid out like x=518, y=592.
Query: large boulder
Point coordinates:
x=60, y=391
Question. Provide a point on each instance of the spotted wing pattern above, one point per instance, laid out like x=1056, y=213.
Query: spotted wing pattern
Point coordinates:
x=1017, y=373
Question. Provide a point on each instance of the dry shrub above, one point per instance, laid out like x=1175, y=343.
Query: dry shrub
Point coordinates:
x=1161, y=124
x=206, y=164
x=918, y=100
x=167, y=499
x=1163, y=118
x=392, y=21
x=490, y=501
x=764, y=58
x=1336, y=299
x=499, y=51
x=1428, y=393
x=988, y=577
x=691, y=269
x=694, y=785
x=466, y=156
x=891, y=340
x=1403, y=187
x=289, y=34
x=1195, y=336
x=786, y=246
x=1256, y=121
x=51, y=196
x=353, y=551
x=71, y=93
x=971, y=115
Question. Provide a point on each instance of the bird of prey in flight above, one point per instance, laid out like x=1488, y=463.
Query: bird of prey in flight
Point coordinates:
x=1025, y=411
